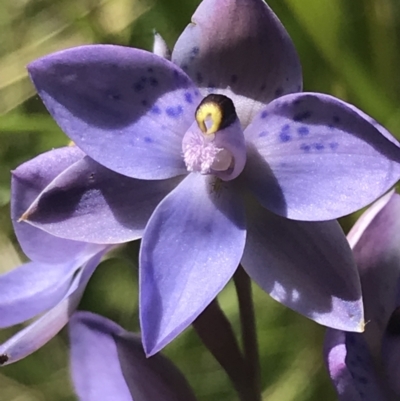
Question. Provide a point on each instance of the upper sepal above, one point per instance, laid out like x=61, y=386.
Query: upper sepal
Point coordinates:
x=239, y=48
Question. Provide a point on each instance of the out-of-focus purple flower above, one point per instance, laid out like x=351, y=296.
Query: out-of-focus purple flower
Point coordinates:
x=108, y=364
x=53, y=282
x=233, y=177
x=365, y=367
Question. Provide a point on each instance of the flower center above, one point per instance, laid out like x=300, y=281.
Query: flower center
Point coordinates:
x=214, y=144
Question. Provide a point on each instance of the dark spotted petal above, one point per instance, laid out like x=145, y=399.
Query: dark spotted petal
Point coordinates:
x=313, y=157
x=128, y=109
x=239, y=48
x=350, y=367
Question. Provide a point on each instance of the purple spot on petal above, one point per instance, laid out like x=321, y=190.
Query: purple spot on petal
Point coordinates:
x=199, y=77
x=336, y=119
x=284, y=134
x=185, y=67
x=302, y=116
x=138, y=86
x=264, y=114
x=304, y=147
x=303, y=130
x=331, y=127
x=145, y=102
x=319, y=146
x=262, y=87
x=333, y=145
x=150, y=70
x=143, y=79
x=155, y=110
x=195, y=50
x=174, y=111
x=147, y=139
x=262, y=134
x=188, y=97
x=180, y=78
x=153, y=82
x=234, y=78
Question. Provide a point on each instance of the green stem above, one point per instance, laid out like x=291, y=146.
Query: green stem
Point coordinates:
x=249, y=333
x=216, y=333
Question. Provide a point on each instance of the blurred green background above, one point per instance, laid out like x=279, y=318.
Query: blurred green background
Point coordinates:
x=348, y=48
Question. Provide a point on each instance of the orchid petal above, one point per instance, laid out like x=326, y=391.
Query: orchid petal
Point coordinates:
x=310, y=153
x=377, y=254
x=350, y=367
x=307, y=266
x=191, y=247
x=31, y=289
x=108, y=363
x=28, y=180
x=42, y=330
x=88, y=202
x=126, y=108
x=247, y=55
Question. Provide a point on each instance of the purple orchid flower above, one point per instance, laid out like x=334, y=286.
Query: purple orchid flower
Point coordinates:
x=108, y=363
x=220, y=130
x=366, y=366
x=53, y=282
